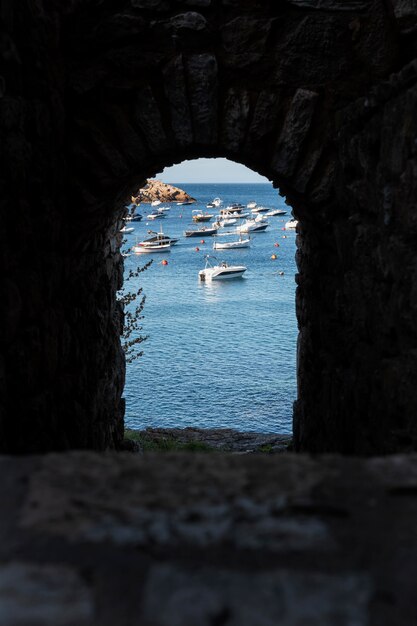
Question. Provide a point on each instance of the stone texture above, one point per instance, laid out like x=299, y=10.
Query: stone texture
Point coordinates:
x=294, y=132
x=244, y=40
x=103, y=539
x=202, y=84
x=235, y=119
x=175, y=90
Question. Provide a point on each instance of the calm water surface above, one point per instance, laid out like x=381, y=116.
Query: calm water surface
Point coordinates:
x=220, y=354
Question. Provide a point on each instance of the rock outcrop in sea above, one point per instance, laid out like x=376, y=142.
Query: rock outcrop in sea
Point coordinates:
x=157, y=190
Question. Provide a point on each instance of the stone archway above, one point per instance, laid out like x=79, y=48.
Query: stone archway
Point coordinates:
x=310, y=94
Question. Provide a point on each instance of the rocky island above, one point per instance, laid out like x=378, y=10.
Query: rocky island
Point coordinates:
x=157, y=190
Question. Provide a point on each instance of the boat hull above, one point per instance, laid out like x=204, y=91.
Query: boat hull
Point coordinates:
x=214, y=273
x=200, y=233
x=231, y=245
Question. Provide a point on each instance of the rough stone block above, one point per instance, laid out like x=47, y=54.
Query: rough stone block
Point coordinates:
x=176, y=93
x=202, y=85
x=333, y=5
x=51, y=595
x=244, y=40
x=235, y=119
x=293, y=134
x=264, y=119
x=149, y=120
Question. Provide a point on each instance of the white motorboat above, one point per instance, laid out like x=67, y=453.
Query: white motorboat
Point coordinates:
x=222, y=221
x=222, y=271
x=252, y=226
x=185, y=202
x=201, y=216
x=259, y=209
x=232, y=208
x=275, y=212
x=200, y=232
x=156, y=215
x=214, y=204
x=160, y=237
x=126, y=230
x=155, y=202
x=231, y=245
x=155, y=246
x=251, y=205
x=291, y=224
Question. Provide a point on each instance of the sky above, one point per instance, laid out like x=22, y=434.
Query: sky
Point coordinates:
x=209, y=171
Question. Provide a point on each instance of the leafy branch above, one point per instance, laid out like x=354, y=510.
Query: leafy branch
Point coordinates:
x=133, y=316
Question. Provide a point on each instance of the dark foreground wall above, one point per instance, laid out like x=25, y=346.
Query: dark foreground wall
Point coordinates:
x=97, y=96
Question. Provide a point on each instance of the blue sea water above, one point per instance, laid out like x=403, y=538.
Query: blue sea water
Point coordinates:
x=221, y=354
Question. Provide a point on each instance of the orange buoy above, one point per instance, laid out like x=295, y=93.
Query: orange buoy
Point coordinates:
x=197, y=249
x=276, y=245
x=164, y=262
x=283, y=228
x=202, y=241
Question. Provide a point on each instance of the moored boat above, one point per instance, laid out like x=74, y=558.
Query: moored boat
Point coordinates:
x=291, y=224
x=222, y=271
x=156, y=246
x=252, y=226
x=275, y=212
x=231, y=245
x=201, y=216
x=204, y=231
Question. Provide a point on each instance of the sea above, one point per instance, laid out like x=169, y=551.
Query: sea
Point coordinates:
x=219, y=354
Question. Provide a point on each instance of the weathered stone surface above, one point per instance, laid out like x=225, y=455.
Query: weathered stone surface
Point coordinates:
x=333, y=5
x=260, y=539
x=314, y=50
x=202, y=84
x=197, y=3
x=277, y=597
x=265, y=118
x=296, y=126
x=244, y=40
x=43, y=594
x=235, y=119
x=148, y=119
x=175, y=91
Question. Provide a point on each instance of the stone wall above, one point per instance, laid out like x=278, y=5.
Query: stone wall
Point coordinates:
x=99, y=97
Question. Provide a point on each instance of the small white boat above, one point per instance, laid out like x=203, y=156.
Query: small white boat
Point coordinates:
x=185, y=202
x=155, y=202
x=223, y=271
x=252, y=226
x=156, y=215
x=160, y=237
x=251, y=205
x=156, y=246
x=275, y=212
x=232, y=208
x=216, y=202
x=201, y=216
x=200, y=232
x=222, y=221
x=291, y=224
x=231, y=245
x=126, y=230
x=259, y=209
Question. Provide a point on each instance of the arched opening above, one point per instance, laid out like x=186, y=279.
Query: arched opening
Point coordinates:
x=220, y=354
x=310, y=94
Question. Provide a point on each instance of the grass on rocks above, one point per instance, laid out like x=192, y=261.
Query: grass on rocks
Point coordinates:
x=166, y=444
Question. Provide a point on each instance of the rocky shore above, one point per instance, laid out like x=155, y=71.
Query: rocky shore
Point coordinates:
x=209, y=439
x=157, y=190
